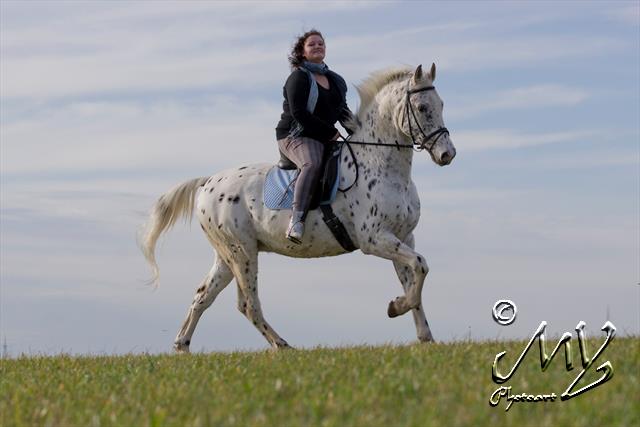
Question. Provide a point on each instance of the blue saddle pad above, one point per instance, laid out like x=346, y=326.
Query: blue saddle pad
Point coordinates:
x=279, y=186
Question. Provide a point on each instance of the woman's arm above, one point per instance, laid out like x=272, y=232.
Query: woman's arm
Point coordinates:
x=297, y=90
x=347, y=119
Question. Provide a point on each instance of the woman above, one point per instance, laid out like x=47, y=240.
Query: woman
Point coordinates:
x=314, y=99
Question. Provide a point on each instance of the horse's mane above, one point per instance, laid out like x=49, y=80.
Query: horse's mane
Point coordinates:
x=370, y=87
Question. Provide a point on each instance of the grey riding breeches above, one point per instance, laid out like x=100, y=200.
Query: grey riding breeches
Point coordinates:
x=306, y=153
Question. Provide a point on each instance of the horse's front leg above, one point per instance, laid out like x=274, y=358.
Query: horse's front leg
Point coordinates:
x=406, y=278
x=386, y=245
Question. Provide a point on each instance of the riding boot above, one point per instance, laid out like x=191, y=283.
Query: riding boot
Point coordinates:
x=296, y=227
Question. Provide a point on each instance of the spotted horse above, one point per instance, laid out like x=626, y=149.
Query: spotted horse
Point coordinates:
x=400, y=113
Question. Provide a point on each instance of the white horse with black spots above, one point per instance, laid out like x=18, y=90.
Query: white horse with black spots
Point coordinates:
x=398, y=107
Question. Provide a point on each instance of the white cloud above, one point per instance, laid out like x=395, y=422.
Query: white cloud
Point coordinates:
x=538, y=96
x=115, y=49
x=507, y=138
x=629, y=14
x=110, y=136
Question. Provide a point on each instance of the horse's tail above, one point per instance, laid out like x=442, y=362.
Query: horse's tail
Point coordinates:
x=172, y=205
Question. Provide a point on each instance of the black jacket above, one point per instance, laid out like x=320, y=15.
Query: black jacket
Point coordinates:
x=331, y=107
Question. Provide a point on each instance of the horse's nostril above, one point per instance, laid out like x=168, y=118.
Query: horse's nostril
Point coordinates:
x=445, y=158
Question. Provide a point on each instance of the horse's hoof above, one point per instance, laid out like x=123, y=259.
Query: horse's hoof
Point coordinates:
x=283, y=346
x=181, y=348
x=427, y=339
x=391, y=311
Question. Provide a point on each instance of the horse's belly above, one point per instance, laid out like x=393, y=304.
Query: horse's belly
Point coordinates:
x=316, y=242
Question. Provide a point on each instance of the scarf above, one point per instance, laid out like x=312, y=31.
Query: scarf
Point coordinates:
x=310, y=68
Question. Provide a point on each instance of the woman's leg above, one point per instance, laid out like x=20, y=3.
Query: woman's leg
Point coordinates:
x=307, y=154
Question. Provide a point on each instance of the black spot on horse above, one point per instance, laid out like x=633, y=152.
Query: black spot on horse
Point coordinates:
x=372, y=183
x=244, y=167
x=236, y=199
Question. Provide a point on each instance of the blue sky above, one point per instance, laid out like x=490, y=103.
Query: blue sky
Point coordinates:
x=106, y=105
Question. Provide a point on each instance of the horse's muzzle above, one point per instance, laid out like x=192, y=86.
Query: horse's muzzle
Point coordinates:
x=447, y=157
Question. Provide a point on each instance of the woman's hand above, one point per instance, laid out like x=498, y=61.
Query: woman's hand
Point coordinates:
x=336, y=136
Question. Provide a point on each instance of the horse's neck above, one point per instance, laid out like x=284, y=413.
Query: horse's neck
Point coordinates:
x=379, y=126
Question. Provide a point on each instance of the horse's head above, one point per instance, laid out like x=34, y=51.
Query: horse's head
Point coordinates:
x=420, y=117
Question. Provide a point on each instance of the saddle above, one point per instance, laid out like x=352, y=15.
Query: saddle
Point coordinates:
x=280, y=182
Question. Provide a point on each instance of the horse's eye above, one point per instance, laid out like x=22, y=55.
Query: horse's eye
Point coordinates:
x=422, y=108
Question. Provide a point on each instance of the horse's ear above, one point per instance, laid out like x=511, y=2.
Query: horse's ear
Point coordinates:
x=432, y=73
x=417, y=75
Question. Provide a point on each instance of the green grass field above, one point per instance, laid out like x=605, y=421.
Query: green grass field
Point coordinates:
x=416, y=385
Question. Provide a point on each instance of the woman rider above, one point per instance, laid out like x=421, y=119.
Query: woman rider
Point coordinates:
x=314, y=99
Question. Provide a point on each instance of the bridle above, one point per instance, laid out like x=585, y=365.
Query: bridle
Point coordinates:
x=436, y=133
x=417, y=146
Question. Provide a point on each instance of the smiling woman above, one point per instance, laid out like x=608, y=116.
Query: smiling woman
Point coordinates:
x=314, y=99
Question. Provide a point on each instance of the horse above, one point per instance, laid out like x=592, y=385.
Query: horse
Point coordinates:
x=400, y=112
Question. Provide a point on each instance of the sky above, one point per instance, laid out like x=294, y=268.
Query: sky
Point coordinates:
x=104, y=106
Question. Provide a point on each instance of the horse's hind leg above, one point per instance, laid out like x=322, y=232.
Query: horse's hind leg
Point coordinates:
x=245, y=268
x=217, y=279
x=406, y=278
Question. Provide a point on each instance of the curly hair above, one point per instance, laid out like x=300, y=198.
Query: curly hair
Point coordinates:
x=296, y=57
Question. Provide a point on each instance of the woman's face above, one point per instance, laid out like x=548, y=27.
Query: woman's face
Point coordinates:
x=314, y=49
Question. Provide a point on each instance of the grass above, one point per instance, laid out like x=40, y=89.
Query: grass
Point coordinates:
x=416, y=385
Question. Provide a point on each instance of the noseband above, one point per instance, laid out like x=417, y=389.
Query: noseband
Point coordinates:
x=435, y=135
